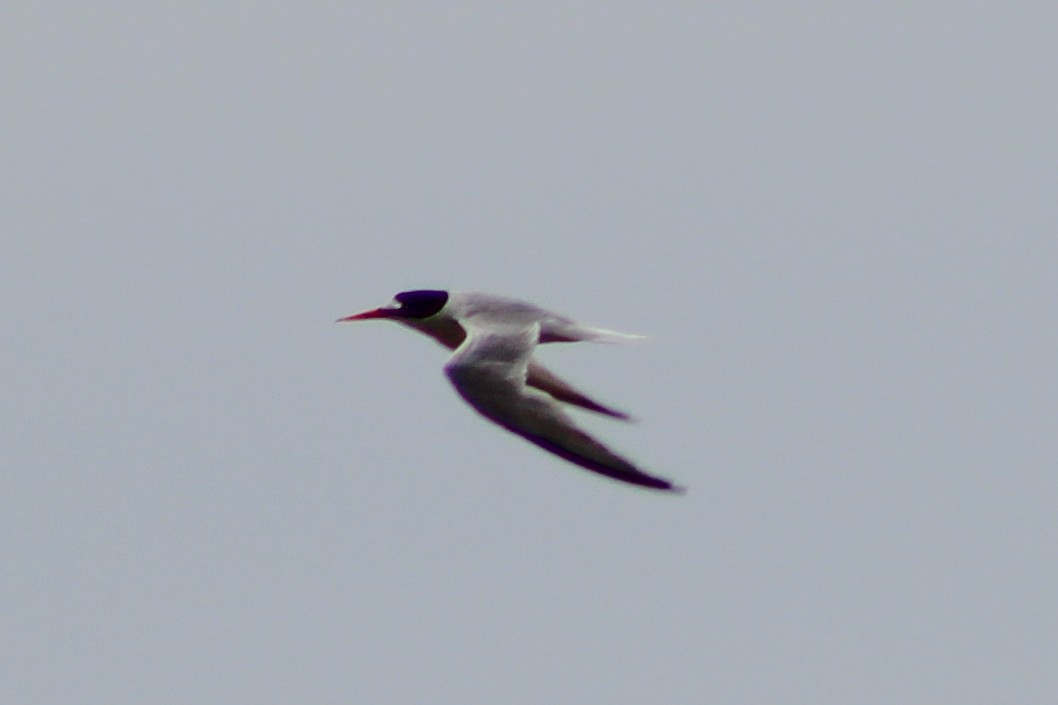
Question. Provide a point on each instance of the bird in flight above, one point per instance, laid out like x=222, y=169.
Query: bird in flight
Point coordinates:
x=492, y=368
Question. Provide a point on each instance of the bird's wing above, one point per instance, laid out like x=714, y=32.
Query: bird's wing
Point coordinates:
x=547, y=381
x=451, y=335
x=489, y=371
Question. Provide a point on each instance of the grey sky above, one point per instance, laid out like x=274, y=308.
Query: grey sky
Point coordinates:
x=836, y=222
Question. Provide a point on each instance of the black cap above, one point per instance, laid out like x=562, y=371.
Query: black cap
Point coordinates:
x=421, y=303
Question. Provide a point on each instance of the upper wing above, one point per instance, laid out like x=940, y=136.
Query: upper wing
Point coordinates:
x=489, y=371
x=451, y=335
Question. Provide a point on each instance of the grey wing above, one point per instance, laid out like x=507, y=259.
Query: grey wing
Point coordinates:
x=547, y=381
x=451, y=335
x=489, y=371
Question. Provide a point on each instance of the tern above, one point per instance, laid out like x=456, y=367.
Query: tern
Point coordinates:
x=492, y=368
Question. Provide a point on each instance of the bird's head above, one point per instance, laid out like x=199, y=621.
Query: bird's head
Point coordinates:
x=407, y=306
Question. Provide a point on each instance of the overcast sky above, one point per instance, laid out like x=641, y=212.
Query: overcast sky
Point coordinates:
x=837, y=223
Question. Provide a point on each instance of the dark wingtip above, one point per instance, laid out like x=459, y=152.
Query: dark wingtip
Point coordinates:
x=628, y=473
x=613, y=413
x=657, y=483
x=591, y=405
